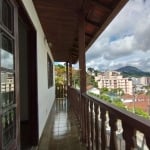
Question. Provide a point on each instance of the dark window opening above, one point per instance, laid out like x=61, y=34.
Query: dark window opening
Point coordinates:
x=49, y=71
x=7, y=15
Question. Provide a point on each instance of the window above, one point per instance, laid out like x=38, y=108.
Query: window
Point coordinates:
x=49, y=71
x=7, y=77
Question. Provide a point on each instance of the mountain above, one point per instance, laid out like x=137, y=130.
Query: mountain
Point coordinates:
x=132, y=71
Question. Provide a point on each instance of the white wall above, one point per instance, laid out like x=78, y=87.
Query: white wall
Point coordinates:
x=45, y=96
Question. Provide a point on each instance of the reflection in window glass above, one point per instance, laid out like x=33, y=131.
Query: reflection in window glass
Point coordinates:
x=9, y=127
x=6, y=53
x=7, y=89
x=6, y=59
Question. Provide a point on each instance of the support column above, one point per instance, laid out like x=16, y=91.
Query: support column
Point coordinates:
x=67, y=80
x=82, y=62
x=82, y=67
x=67, y=73
x=70, y=73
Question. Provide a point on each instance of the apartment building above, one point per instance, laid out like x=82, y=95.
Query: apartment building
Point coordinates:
x=144, y=81
x=114, y=80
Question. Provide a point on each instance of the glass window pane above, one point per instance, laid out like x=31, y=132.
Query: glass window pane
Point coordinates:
x=7, y=89
x=7, y=99
x=6, y=53
x=7, y=14
x=9, y=128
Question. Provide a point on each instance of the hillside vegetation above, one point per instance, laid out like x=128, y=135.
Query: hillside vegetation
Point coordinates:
x=129, y=71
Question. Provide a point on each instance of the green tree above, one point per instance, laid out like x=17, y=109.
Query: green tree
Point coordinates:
x=60, y=72
x=140, y=112
x=118, y=103
x=104, y=90
x=91, y=70
x=90, y=80
x=105, y=98
x=96, y=72
x=76, y=77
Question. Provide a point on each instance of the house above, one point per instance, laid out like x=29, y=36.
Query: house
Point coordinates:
x=127, y=98
x=137, y=101
x=34, y=34
x=93, y=90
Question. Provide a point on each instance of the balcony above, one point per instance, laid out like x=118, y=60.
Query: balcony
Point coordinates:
x=95, y=123
x=62, y=129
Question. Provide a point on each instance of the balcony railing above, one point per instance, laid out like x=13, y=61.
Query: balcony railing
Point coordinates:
x=61, y=91
x=104, y=126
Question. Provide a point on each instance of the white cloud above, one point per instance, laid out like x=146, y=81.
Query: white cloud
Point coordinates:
x=126, y=41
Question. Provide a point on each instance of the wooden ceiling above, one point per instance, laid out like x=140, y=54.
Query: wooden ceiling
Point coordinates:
x=60, y=21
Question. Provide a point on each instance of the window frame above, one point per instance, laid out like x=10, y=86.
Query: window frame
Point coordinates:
x=8, y=114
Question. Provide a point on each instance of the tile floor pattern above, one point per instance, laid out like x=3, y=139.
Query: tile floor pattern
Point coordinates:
x=62, y=129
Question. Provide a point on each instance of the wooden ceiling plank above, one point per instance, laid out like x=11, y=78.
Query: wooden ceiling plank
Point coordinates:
x=61, y=14
x=89, y=35
x=59, y=19
x=107, y=20
x=72, y=5
x=67, y=24
x=101, y=6
x=92, y=22
x=49, y=11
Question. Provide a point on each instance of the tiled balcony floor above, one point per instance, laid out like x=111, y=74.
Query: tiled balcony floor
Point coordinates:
x=62, y=130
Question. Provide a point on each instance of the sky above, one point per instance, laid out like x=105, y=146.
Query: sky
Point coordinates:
x=126, y=41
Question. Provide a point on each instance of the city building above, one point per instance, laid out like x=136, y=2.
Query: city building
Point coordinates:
x=144, y=81
x=114, y=80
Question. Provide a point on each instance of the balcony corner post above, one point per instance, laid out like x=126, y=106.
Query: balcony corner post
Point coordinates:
x=70, y=74
x=82, y=61
x=82, y=67
x=67, y=79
